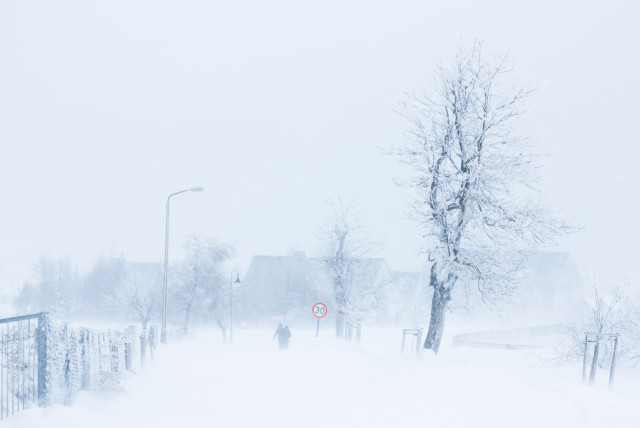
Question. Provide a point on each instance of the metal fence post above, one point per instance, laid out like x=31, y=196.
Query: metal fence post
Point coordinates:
x=584, y=359
x=85, y=354
x=70, y=366
x=348, y=331
x=44, y=327
x=152, y=340
x=340, y=327
x=114, y=352
x=2, y=364
x=594, y=362
x=142, y=347
x=127, y=356
x=613, y=362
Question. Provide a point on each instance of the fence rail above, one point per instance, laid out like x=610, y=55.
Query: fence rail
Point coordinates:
x=509, y=338
x=19, y=361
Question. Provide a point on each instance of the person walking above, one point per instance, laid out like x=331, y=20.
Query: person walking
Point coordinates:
x=287, y=336
x=283, y=334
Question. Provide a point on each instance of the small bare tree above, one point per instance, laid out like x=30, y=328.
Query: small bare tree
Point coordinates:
x=203, y=290
x=472, y=175
x=55, y=289
x=615, y=312
x=140, y=289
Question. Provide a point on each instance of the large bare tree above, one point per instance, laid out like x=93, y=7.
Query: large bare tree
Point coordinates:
x=473, y=183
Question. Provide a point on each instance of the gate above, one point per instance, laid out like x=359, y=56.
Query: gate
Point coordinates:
x=22, y=362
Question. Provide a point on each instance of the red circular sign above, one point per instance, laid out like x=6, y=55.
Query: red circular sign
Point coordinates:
x=319, y=310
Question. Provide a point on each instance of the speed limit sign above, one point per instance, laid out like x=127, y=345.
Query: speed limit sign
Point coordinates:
x=319, y=310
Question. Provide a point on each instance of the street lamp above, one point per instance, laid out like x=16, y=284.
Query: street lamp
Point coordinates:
x=231, y=282
x=163, y=336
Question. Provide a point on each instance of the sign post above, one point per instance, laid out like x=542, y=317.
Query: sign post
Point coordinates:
x=319, y=311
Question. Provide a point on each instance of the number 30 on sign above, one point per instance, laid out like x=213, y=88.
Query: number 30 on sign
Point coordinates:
x=319, y=310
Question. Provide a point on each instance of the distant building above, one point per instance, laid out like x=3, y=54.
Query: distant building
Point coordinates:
x=553, y=286
x=551, y=289
x=278, y=288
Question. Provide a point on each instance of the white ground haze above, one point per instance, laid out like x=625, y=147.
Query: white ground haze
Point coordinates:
x=318, y=383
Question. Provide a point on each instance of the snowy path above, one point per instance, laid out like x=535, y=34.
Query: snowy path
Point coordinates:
x=321, y=384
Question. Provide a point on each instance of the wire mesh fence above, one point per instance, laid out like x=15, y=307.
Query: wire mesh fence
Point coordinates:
x=18, y=364
x=44, y=362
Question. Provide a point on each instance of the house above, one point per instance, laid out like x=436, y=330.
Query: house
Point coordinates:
x=283, y=288
x=551, y=288
x=278, y=288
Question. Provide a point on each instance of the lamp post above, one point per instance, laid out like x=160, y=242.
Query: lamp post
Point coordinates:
x=231, y=282
x=163, y=335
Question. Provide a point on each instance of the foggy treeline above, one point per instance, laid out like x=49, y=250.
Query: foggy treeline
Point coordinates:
x=117, y=289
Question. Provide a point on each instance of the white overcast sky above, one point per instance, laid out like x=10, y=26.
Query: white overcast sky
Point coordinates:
x=106, y=107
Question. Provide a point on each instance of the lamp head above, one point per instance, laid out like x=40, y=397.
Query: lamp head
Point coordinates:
x=237, y=281
x=197, y=189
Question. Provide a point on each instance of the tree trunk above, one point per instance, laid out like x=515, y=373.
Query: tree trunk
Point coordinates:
x=441, y=297
x=340, y=298
x=224, y=331
x=340, y=327
x=187, y=318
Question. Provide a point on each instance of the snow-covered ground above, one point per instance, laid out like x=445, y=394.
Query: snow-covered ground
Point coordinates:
x=324, y=383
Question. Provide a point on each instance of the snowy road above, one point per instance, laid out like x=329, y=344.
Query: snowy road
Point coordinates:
x=200, y=383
